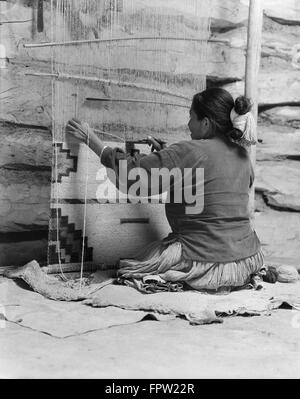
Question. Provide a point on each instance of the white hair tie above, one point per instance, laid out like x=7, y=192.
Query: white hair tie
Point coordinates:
x=246, y=124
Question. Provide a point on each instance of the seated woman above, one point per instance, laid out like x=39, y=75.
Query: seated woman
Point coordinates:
x=217, y=248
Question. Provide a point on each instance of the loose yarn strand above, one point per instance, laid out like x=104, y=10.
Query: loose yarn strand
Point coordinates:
x=57, y=217
x=85, y=211
x=84, y=72
x=110, y=134
x=55, y=147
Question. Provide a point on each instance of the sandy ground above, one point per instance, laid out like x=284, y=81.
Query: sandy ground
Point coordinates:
x=241, y=347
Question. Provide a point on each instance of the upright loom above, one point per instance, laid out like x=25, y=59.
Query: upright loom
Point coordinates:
x=129, y=68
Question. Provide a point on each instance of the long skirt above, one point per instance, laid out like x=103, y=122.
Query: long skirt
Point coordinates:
x=167, y=262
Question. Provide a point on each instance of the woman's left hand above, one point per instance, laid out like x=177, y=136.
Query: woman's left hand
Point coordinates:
x=79, y=130
x=156, y=144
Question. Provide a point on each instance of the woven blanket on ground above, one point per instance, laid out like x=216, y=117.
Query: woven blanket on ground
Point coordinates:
x=200, y=308
x=60, y=319
x=53, y=288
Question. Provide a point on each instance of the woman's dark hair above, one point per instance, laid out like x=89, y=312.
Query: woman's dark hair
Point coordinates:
x=216, y=104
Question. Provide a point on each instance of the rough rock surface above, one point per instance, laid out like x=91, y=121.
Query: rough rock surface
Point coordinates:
x=283, y=116
x=286, y=14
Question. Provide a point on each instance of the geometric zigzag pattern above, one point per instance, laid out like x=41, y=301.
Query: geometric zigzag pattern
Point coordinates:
x=70, y=238
x=70, y=241
x=66, y=163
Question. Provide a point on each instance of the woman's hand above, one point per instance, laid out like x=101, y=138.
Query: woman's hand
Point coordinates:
x=79, y=130
x=156, y=144
x=83, y=132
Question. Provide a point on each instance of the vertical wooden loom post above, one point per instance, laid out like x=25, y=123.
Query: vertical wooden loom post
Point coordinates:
x=255, y=24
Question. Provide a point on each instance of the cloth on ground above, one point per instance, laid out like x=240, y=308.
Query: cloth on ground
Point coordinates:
x=52, y=288
x=151, y=284
x=62, y=319
x=197, y=306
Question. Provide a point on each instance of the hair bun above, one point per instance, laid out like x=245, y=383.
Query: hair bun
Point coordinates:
x=242, y=105
x=235, y=134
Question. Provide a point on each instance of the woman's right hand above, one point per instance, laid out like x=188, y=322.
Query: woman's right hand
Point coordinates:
x=79, y=130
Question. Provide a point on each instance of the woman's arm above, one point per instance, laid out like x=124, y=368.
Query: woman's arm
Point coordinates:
x=111, y=157
x=83, y=132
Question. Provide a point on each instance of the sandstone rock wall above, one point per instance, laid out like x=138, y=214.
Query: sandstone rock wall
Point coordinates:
x=25, y=115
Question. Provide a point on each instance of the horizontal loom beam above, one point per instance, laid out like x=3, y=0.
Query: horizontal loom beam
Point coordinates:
x=107, y=81
x=17, y=21
x=131, y=100
x=121, y=39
